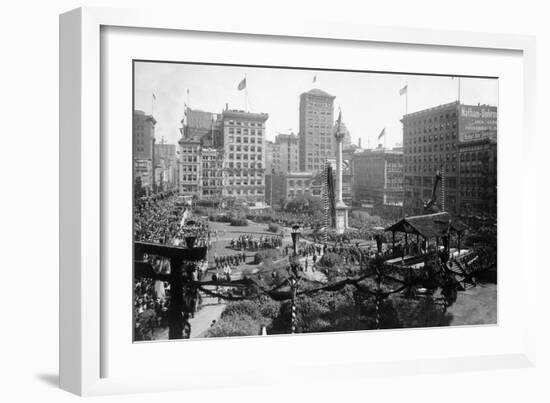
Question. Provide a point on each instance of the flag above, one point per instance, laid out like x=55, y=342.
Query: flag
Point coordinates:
x=315, y=79
x=403, y=90
x=242, y=84
x=382, y=133
x=154, y=96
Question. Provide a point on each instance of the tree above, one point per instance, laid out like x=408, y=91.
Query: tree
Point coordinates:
x=302, y=204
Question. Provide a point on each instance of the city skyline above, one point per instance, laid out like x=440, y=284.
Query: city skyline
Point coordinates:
x=381, y=105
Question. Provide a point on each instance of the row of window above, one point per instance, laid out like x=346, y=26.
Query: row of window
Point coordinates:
x=430, y=158
x=430, y=129
x=474, y=156
x=426, y=181
x=189, y=168
x=189, y=178
x=232, y=174
x=427, y=121
x=245, y=140
x=238, y=165
x=189, y=150
x=428, y=168
x=245, y=148
x=245, y=132
x=245, y=157
x=298, y=182
x=245, y=191
x=430, y=138
x=250, y=182
x=245, y=123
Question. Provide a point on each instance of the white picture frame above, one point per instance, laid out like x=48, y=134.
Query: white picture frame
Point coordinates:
x=82, y=305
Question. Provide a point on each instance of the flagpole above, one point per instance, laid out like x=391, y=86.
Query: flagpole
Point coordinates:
x=406, y=98
x=245, y=93
x=459, y=90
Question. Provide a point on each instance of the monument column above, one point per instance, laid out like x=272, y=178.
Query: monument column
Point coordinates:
x=341, y=208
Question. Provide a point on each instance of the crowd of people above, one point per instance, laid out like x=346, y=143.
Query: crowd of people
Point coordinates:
x=151, y=300
x=157, y=219
x=234, y=260
x=248, y=242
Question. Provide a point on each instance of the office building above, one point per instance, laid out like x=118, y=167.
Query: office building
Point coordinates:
x=431, y=139
x=317, y=142
x=242, y=139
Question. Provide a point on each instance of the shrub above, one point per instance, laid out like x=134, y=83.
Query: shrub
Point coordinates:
x=234, y=326
x=270, y=308
x=330, y=260
x=272, y=227
x=267, y=256
x=243, y=308
x=243, y=318
x=238, y=221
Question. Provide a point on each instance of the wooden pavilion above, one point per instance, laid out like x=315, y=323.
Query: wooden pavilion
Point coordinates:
x=428, y=227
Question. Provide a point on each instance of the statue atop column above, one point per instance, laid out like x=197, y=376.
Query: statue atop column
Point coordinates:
x=341, y=208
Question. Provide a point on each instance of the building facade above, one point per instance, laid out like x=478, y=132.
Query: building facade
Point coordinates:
x=431, y=140
x=297, y=184
x=269, y=151
x=430, y=143
x=144, y=135
x=190, y=166
x=285, y=153
x=203, y=125
x=478, y=177
x=317, y=142
x=166, y=165
x=143, y=145
x=242, y=139
x=211, y=174
x=378, y=178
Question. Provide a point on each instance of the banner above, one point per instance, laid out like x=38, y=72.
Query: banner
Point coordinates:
x=477, y=122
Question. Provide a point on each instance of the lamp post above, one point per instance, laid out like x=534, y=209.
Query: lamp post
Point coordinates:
x=294, y=275
x=295, y=234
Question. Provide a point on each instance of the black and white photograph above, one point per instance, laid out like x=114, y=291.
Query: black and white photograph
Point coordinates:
x=270, y=200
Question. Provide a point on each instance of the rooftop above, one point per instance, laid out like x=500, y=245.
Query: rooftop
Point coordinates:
x=428, y=225
x=432, y=109
x=319, y=93
x=234, y=113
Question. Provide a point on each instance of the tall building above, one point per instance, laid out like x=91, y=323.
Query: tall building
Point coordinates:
x=285, y=153
x=431, y=139
x=378, y=178
x=317, y=142
x=242, y=139
x=143, y=143
x=144, y=134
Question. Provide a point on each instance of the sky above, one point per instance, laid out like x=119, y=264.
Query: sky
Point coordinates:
x=369, y=102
